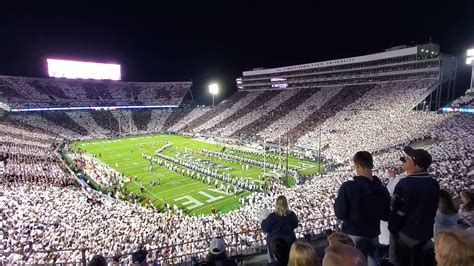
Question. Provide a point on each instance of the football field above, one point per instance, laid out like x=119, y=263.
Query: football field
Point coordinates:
x=192, y=196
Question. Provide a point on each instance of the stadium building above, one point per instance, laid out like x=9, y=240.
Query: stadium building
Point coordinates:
x=394, y=64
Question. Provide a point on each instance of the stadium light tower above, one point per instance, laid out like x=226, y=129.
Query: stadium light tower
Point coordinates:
x=213, y=90
x=470, y=61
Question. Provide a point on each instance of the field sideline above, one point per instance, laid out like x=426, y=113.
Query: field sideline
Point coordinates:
x=193, y=197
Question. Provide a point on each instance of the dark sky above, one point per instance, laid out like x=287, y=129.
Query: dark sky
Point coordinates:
x=216, y=40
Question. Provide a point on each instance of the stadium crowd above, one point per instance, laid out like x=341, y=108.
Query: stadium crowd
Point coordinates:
x=85, y=120
x=466, y=100
x=22, y=92
x=100, y=172
x=250, y=129
x=157, y=120
x=299, y=114
x=43, y=208
x=195, y=113
x=218, y=117
x=255, y=114
x=35, y=120
x=381, y=109
x=30, y=157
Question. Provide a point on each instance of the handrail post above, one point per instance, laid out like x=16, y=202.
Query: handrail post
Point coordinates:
x=83, y=253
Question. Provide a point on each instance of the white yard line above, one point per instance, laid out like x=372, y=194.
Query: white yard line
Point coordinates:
x=186, y=193
x=216, y=202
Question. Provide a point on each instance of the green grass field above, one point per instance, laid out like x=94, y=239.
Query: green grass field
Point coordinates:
x=193, y=197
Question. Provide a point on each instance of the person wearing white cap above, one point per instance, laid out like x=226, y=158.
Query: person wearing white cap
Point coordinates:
x=217, y=254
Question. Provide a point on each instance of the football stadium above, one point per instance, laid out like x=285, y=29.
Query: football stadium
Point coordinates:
x=320, y=163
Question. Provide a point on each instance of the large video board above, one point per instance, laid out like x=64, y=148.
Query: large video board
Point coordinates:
x=59, y=68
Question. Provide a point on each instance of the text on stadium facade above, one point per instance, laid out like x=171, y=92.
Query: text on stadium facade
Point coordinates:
x=357, y=59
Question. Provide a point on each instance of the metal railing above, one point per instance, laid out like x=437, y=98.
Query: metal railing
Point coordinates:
x=237, y=244
x=45, y=257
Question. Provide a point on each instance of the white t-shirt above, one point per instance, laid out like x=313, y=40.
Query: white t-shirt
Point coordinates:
x=384, y=237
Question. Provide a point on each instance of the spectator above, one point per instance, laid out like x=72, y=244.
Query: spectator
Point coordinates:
x=217, y=255
x=337, y=255
x=454, y=247
x=139, y=257
x=384, y=237
x=281, y=251
x=282, y=222
x=98, y=260
x=303, y=254
x=336, y=238
x=447, y=214
x=362, y=202
x=367, y=248
x=413, y=208
x=340, y=238
x=466, y=209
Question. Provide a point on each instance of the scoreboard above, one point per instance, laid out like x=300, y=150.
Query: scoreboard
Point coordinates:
x=59, y=68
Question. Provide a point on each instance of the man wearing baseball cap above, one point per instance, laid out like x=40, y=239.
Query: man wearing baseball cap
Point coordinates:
x=217, y=255
x=413, y=208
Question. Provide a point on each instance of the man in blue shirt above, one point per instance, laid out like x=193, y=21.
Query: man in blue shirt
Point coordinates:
x=362, y=202
x=414, y=205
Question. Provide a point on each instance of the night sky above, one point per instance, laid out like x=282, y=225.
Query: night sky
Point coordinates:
x=217, y=40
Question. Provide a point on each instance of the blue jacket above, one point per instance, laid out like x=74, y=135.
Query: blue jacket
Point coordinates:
x=414, y=205
x=361, y=203
x=282, y=226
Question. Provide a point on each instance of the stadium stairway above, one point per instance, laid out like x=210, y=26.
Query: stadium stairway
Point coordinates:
x=424, y=95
